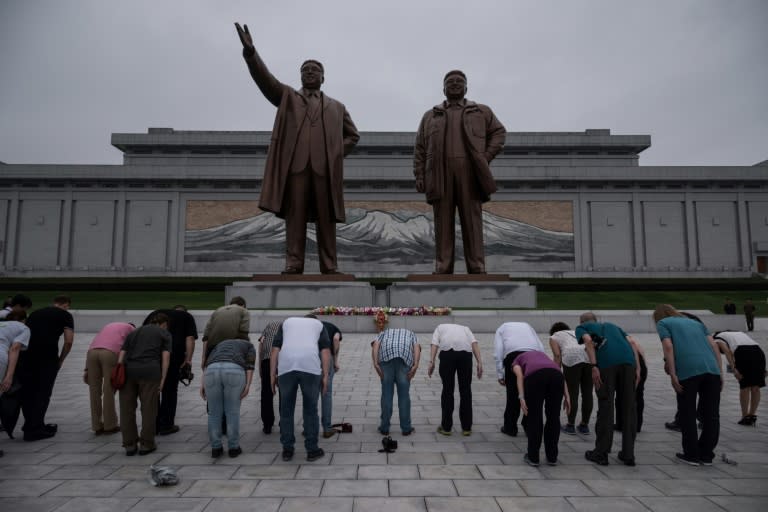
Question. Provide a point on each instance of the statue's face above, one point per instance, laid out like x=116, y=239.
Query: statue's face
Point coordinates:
x=311, y=76
x=455, y=87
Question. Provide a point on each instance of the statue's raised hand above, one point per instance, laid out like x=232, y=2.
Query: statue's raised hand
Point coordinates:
x=245, y=36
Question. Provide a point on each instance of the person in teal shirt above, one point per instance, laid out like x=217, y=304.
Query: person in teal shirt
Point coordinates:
x=695, y=371
x=615, y=368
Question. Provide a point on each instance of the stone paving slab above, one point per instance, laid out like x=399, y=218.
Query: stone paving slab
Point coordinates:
x=77, y=470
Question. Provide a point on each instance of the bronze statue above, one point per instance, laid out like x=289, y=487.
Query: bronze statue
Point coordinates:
x=455, y=144
x=303, y=174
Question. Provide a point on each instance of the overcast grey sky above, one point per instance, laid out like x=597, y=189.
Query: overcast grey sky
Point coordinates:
x=691, y=73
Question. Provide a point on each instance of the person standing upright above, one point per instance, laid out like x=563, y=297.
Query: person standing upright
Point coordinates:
x=749, y=314
x=456, y=345
x=304, y=171
x=455, y=144
x=615, y=366
x=511, y=340
x=40, y=364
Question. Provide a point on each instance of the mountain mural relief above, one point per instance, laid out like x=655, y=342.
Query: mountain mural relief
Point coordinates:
x=372, y=240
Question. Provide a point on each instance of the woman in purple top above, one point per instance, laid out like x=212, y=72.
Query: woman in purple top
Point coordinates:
x=541, y=386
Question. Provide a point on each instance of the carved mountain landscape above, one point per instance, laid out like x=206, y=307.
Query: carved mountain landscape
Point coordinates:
x=394, y=239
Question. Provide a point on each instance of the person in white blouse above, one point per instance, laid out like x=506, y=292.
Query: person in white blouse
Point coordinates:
x=456, y=345
x=747, y=359
x=511, y=340
x=577, y=371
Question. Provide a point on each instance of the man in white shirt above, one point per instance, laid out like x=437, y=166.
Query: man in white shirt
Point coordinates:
x=456, y=344
x=301, y=354
x=511, y=340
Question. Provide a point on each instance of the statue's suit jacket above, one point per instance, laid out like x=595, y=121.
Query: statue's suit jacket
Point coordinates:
x=340, y=137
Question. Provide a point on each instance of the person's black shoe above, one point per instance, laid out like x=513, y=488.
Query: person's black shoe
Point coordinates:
x=267, y=430
x=687, y=460
x=626, y=460
x=166, y=431
x=510, y=433
x=147, y=451
x=592, y=456
x=287, y=455
x=315, y=454
x=672, y=425
x=217, y=452
x=530, y=462
x=38, y=435
x=234, y=452
x=51, y=427
x=130, y=452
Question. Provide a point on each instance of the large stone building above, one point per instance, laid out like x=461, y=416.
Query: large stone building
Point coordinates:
x=569, y=204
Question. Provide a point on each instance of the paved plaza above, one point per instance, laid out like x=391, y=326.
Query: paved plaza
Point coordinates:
x=78, y=471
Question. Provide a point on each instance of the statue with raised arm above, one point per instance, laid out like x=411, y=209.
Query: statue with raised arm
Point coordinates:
x=455, y=144
x=304, y=171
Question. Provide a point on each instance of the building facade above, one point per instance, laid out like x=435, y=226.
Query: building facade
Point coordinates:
x=569, y=204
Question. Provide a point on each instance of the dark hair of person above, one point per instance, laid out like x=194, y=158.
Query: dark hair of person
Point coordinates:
x=21, y=300
x=238, y=300
x=159, y=318
x=16, y=315
x=557, y=327
x=62, y=299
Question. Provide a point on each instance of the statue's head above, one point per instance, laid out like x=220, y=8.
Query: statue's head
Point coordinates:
x=455, y=85
x=312, y=74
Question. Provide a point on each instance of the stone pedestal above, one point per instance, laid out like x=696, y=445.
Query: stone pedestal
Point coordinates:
x=301, y=293
x=463, y=292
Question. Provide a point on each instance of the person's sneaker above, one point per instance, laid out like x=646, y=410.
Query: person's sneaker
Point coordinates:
x=686, y=460
x=583, y=429
x=626, y=460
x=672, y=425
x=315, y=454
x=530, y=462
x=382, y=432
x=441, y=430
x=569, y=429
x=234, y=452
x=595, y=457
x=552, y=462
x=287, y=454
x=409, y=432
x=328, y=434
x=466, y=433
x=217, y=452
x=510, y=433
x=706, y=462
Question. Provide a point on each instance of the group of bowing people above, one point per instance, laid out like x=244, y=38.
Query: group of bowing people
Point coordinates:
x=597, y=357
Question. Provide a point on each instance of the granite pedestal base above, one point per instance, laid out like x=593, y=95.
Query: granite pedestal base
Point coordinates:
x=482, y=294
x=300, y=294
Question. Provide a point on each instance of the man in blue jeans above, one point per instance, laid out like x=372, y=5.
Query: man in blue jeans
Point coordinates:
x=395, y=355
x=300, y=359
